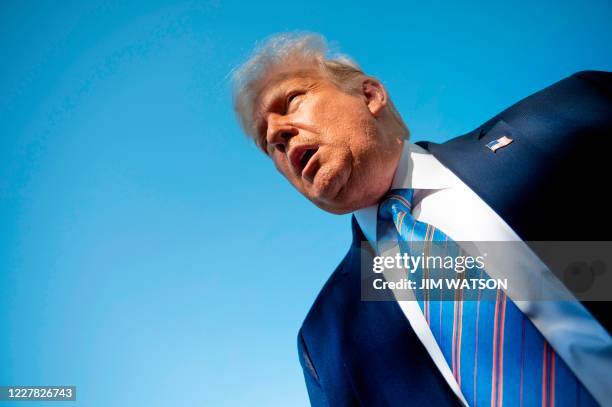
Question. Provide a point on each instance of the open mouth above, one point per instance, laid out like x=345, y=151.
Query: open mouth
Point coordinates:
x=300, y=157
x=306, y=156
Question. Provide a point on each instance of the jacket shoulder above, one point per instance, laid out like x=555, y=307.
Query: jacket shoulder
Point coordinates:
x=601, y=79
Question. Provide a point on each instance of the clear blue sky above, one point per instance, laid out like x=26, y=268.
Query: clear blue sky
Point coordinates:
x=149, y=254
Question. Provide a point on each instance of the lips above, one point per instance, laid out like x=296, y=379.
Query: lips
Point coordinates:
x=300, y=157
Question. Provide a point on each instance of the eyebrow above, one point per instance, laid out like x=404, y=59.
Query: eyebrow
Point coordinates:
x=271, y=98
x=279, y=84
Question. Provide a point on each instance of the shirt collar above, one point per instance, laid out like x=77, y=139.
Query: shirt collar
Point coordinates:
x=417, y=169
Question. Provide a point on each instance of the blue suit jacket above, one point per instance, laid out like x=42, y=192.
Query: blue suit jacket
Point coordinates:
x=365, y=353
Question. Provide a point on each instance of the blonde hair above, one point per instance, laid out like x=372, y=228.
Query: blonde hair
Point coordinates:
x=302, y=51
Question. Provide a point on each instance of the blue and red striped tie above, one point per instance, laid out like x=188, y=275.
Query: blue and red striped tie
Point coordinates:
x=496, y=354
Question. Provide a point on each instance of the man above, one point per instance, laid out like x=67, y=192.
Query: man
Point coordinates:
x=534, y=172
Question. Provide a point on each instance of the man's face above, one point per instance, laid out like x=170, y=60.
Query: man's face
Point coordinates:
x=326, y=142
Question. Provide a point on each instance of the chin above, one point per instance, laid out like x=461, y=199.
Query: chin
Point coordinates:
x=348, y=199
x=334, y=208
x=342, y=188
x=330, y=188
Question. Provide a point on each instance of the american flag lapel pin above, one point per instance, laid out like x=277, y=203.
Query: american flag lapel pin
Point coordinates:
x=499, y=143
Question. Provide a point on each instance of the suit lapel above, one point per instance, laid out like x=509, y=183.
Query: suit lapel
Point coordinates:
x=524, y=185
x=497, y=177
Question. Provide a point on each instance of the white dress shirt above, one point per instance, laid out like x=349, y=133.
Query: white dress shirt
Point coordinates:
x=444, y=201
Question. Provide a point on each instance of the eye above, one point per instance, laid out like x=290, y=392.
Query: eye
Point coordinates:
x=292, y=97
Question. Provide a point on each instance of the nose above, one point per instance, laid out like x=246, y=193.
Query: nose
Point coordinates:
x=279, y=132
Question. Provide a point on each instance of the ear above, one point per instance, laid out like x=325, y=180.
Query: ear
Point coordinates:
x=375, y=95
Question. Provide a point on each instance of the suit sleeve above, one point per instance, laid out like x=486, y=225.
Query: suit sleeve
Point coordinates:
x=315, y=391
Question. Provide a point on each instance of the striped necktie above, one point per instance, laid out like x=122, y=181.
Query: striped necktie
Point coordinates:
x=496, y=354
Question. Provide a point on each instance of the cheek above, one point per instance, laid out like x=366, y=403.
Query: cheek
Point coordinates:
x=347, y=122
x=333, y=110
